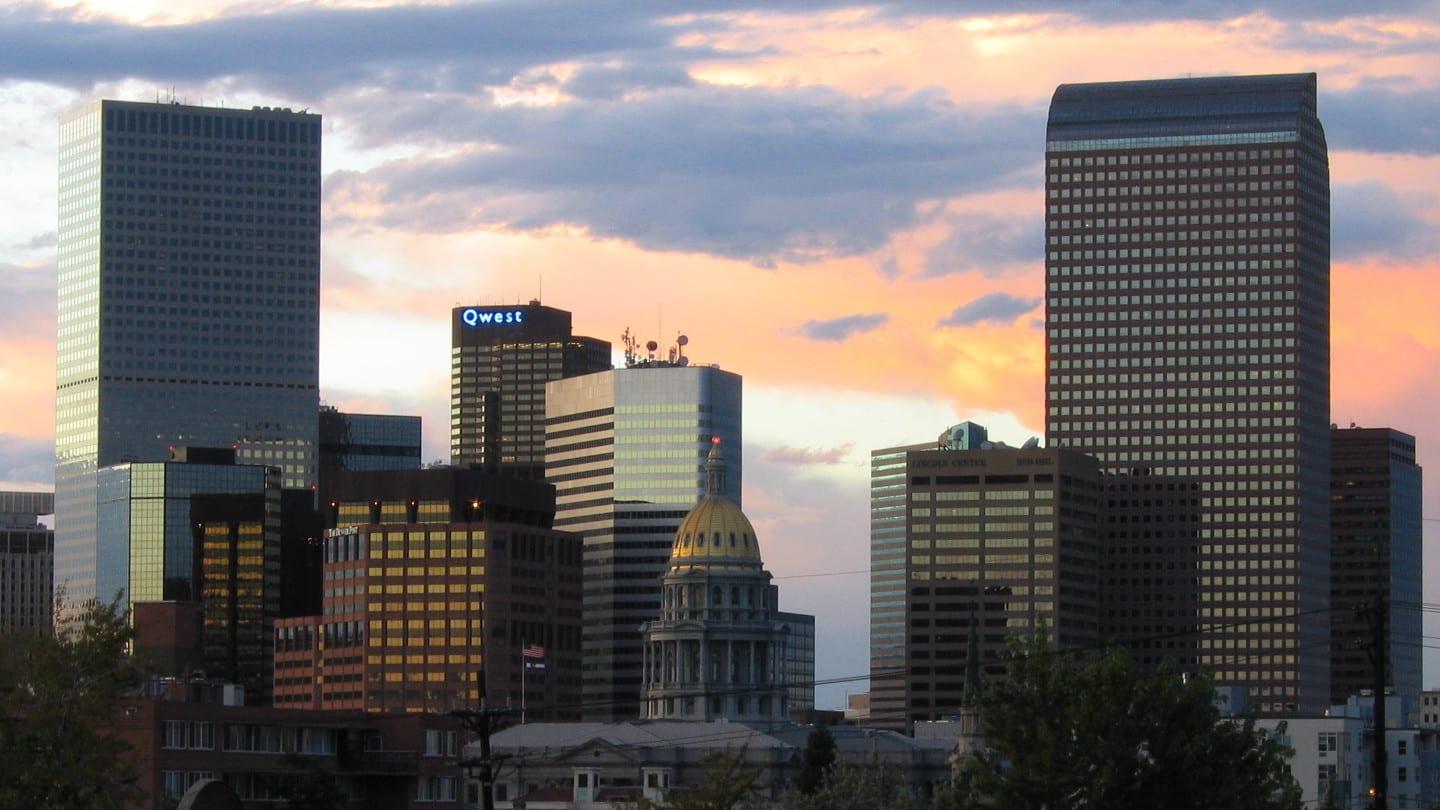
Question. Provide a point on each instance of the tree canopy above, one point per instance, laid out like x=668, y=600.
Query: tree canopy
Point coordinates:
x=59, y=698
x=1097, y=731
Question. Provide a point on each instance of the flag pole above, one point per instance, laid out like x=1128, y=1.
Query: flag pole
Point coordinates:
x=524, y=671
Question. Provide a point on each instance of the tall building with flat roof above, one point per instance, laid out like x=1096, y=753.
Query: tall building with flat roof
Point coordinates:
x=432, y=578
x=1377, y=544
x=1187, y=336
x=27, y=562
x=189, y=298
x=205, y=531
x=968, y=548
x=625, y=450
x=500, y=359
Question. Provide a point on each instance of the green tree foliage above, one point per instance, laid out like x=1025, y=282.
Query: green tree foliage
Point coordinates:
x=819, y=756
x=1068, y=731
x=873, y=786
x=60, y=696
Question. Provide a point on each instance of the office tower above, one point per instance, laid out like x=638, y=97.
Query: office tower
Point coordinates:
x=367, y=441
x=625, y=450
x=1376, y=536
x=717, y=649
x=200, y=530
x=27, y=561
x=433, y=577
x=1187, y=336
x=500, y=359
x=189, y=281
x=971, y=547
x=1151, y=567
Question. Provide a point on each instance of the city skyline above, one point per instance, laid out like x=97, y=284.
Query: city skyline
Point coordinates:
x=851, y=179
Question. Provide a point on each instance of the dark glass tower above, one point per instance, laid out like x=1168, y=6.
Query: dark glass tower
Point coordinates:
x=500, y=359
x=1187, y=336
x=1377, y=536
x=189, y=298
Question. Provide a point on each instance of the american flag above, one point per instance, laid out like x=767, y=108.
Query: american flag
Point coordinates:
x=532, y=651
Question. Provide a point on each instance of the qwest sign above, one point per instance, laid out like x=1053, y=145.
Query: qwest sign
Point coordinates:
x=474, y=317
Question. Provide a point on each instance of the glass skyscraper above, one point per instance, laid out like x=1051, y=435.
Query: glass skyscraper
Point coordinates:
x=189, y=296
x=1187, y=338
x=205, y=531
x=626, y=451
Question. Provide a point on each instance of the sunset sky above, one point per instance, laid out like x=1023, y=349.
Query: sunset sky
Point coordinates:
x=840, y=202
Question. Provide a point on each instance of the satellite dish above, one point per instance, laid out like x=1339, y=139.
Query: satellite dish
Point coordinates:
x=651, y=345
x=1031, y=443
x=682, y=341
x=683, y=361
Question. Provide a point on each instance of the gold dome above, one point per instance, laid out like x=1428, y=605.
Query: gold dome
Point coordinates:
x=715, y=533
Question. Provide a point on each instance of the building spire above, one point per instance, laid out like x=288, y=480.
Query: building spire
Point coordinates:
x=715, y=469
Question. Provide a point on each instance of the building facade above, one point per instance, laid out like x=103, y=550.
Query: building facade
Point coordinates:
x=500, y=359
x=1376, y=554
x=204, y=531
x=27, y=562
x=435, y=581
x=189, y=298
x=968, y=548
x=368, y=441
x=625, y=450
x=1187, y=336
x=183, y=735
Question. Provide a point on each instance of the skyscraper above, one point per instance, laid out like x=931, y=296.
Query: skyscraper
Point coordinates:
x=970, y=545
x=1187, y=336
x=205, y=531
x=1377, y=544
x=626, y=450
x=394, y=634
x=500, y=359
x=27, y=557
x=189, y=298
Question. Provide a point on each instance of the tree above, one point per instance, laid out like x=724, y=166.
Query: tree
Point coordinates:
x=60, y=697
x=819, y=756
x=846, y=787
x=1091, y=731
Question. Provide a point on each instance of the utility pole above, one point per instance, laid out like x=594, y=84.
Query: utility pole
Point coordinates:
x=1378, y=659
x=482, y=722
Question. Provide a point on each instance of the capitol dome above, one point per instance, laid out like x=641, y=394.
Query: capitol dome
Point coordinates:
x=716, y=534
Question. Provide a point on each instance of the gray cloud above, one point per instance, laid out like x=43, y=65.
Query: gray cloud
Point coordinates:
x=806, y=456
x=26, y=461
x=993, y=245
x=1000, y=308
x=1382, y=117
x=839, y=329
x=763, y=175
x=310, y=51
x=1369, y=219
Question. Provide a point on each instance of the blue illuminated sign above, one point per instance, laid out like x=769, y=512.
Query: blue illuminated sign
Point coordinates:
x=474, y=317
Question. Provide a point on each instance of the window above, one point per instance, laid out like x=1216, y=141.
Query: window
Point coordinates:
x=1327, y=742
